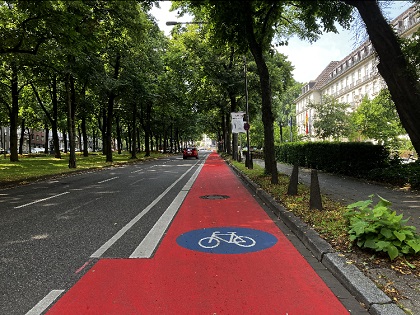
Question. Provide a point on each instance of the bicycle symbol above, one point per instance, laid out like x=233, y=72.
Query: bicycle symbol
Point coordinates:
x=229, y=237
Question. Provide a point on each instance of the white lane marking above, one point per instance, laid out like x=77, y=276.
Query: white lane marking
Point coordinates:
x=40, y=200
x=107, y=180
x=42, y=305
x=121, y=232
x=152, y=239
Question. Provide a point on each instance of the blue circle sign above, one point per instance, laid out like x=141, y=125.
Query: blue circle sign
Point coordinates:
x=226, y=240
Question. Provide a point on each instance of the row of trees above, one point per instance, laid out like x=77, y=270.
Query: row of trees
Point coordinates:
x=105, y=66
x=95, y=66
x=254, y=25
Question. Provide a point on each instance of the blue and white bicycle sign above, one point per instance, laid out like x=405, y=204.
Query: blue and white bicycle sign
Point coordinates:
x=226, y=240
x=229, y=237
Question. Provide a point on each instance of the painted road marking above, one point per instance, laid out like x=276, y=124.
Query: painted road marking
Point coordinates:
x=42, y=305
x=152, y=239
x=177, y=280
x=107, y=180
x=40, y=200
x=128, y=226
x=226, y=240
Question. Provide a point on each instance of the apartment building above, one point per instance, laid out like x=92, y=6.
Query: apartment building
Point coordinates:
x=350, y=79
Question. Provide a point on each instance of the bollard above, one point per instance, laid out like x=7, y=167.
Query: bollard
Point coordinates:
x=315, y=201
x=292, y=190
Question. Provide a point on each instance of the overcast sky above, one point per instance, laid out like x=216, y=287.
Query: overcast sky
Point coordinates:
x=308, y=59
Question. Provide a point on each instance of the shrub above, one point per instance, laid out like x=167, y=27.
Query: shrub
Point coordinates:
x=380, y=229
x=349, y=158
x=398, y=174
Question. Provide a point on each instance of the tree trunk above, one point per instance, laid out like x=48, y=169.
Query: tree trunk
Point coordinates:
x=110, y=112
x=267, y=114
x=119, y=140
x=134, y=132
x=54, y=127
x=52, y=119
x=70, y=100
x=29, y=138
x=14, y=115
x=22, y=136
x=47, y=140
x=394, y=68
x=228, y=125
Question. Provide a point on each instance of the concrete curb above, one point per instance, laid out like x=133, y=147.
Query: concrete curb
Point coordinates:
x=364, y=289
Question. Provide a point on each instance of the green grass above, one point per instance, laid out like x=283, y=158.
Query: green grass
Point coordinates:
x=31, y=167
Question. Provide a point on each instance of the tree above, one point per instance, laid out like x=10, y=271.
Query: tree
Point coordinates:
x=254, y=24
x=331, y=119
x=394, y=66
x=286, y=108
x=378, y=119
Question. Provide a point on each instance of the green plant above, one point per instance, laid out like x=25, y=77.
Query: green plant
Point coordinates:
x=381, y=229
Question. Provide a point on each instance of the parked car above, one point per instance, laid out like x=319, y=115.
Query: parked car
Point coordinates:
x=190, y=152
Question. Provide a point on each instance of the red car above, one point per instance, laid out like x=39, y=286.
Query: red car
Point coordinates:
x=190, y=152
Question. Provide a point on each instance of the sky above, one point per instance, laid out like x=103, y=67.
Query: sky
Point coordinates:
x=308, y=59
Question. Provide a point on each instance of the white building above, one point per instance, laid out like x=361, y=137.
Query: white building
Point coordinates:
x=350, y=79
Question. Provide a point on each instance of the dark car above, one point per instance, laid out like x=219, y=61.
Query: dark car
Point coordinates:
x=190, y=152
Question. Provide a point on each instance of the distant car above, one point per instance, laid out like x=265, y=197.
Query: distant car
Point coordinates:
x=190, y=152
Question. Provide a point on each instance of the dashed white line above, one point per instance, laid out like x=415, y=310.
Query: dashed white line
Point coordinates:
x=40, y=200
x=42, y=305
x=121, y=232
x=152, y=239
x=107, y=180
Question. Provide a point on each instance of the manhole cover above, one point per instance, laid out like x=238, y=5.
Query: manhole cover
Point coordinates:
x=215, y=197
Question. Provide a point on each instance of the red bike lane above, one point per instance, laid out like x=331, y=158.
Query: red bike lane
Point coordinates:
x=222, y=254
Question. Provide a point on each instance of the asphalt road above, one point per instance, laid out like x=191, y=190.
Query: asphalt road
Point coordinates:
x=52, y=232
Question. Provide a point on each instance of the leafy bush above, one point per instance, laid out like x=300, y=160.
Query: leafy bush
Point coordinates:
x=398, y=174
x=380, y=229
x=349, y=158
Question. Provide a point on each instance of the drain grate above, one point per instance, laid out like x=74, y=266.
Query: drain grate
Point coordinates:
x=214, y=197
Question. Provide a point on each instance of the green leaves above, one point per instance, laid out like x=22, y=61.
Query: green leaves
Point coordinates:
x=381, y=229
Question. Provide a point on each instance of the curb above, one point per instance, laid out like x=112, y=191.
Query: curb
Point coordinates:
x=364, y=289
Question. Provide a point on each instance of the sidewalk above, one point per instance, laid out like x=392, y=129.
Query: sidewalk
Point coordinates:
x=348, y=190
x=222, y=254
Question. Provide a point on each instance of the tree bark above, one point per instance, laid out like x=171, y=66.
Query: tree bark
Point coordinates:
x=267, y=114
x=14, y=115
x=110, y=112
x=393, y=66
x=134, y=132
x=70, y=118
x=54, y=120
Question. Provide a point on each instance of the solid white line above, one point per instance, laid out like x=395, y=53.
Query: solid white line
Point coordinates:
x=148, y=245
x=40, y=200
x=121, y=232
x=42, y=305
x=107, y=180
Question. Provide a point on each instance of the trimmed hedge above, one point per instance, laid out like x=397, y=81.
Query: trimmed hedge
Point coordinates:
x=348, y=158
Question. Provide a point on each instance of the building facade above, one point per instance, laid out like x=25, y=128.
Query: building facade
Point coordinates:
x=350, y=79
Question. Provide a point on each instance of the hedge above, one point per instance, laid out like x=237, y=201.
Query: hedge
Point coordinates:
x=348, y=158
